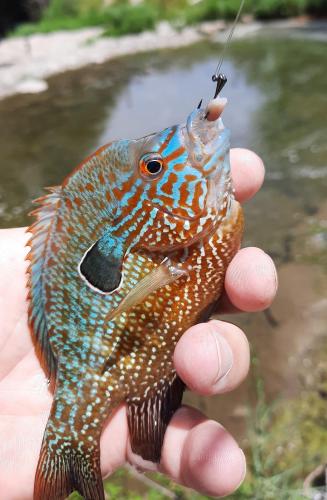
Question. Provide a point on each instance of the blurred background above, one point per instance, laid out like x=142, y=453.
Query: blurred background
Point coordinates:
x=277, y=81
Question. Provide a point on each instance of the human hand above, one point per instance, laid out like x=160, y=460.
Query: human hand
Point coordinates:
x=211, y=358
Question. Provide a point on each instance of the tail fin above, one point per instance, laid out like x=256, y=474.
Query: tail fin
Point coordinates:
x=65, y=468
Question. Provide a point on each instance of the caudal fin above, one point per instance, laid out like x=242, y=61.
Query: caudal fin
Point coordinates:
x=65, y=468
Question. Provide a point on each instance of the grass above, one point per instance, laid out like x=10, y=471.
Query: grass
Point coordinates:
x=122, y=18
x=287, y=441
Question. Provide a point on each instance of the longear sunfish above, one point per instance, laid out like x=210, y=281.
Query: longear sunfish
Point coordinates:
x=129, y=252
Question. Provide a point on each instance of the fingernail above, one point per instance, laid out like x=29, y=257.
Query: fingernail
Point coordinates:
x=224, y=358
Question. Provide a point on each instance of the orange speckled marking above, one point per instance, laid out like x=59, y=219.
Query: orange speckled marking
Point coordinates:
x=101, y=178
x=68, y=203
x=166, y=142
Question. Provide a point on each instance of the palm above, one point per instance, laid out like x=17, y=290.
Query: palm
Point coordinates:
x=25, y=397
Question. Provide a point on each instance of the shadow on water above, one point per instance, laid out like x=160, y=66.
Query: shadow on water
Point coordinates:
x=277, y=106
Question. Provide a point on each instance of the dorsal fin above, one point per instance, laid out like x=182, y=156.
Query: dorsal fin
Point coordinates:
x=40, y=231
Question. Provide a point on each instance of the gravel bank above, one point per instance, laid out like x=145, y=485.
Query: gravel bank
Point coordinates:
x=26, y=62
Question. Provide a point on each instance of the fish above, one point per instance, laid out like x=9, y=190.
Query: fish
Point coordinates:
x=124, y=256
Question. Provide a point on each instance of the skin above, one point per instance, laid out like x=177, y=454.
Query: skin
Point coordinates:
x=211, y=358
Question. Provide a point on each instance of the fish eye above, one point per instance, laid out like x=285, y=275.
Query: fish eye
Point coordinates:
x=151, y=166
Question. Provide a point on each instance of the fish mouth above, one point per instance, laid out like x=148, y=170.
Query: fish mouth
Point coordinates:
x=205, y=141
x=208, y=143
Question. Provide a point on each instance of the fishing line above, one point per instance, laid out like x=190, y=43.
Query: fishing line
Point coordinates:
x=218, y=77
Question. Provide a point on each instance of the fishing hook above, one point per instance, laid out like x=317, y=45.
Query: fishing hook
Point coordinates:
x=221, y=80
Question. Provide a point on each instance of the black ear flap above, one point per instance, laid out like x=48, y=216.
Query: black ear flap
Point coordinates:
x=103, y=272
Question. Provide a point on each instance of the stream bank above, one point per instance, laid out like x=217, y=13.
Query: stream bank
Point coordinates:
x=27, y=62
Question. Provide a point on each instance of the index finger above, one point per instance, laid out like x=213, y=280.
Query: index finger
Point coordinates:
x=248, y=173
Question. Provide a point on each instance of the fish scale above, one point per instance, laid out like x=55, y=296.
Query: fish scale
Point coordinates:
x=125, y=255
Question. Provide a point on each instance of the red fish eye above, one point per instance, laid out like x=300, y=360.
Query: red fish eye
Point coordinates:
x=151, y=167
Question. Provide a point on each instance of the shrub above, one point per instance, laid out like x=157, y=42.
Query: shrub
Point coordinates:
x=269, y=9
x=317, y=7
x=59, y=9
x=118, y=19
x=123, y=19
x=207, y=10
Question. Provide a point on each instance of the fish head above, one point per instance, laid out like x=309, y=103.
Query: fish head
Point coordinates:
x=161, y=193
x=184, y=178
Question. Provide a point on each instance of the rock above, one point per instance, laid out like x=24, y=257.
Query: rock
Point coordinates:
x=165, y=29
x=211, y=28
x=31, y=86
x=315, y=484
x=247, y=19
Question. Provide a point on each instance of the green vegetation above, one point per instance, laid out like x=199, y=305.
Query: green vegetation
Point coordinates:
x=287, y=443
x=122, y=18
x=280, y=8
x=208, y=10
x=118, y=19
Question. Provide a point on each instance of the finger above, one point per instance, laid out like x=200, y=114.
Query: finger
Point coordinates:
x=248, y=173
x=113, y=442
x=13, y=278
x=15, y=340
x=251, y=281
x=212, y=357
x=201, y=454
x=198, y=453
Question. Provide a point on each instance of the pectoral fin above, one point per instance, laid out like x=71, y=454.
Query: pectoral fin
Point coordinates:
x=164, y=274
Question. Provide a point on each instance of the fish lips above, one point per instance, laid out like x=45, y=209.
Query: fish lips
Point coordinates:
x=207, y=142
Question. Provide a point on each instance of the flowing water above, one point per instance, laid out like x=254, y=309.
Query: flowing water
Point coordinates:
x=277, y=106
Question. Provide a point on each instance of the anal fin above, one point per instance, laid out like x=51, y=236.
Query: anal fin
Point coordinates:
x=149, y=415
